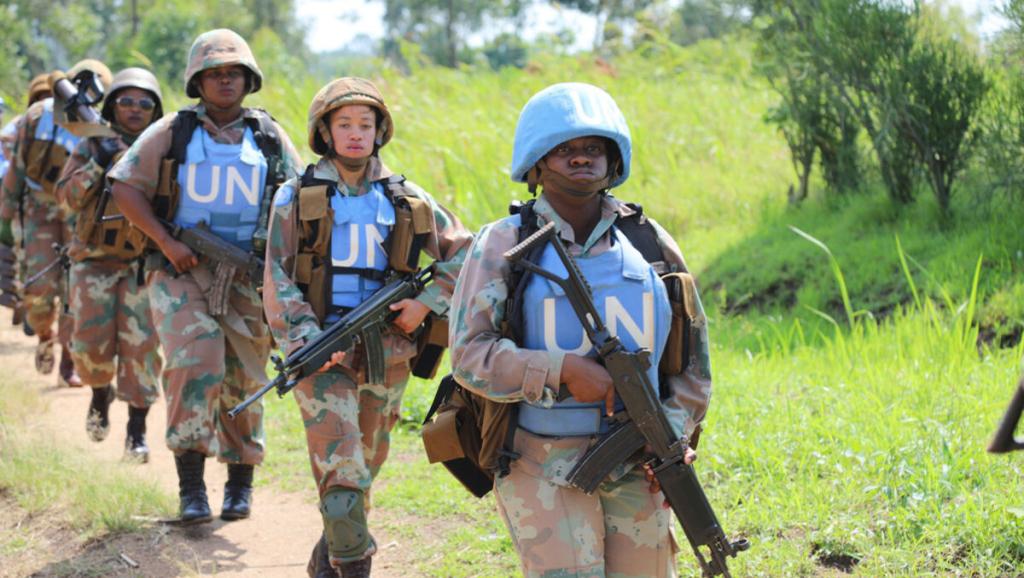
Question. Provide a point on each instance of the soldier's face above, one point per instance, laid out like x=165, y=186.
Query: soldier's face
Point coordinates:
x=353, y=130
x=583, y=160
x=133, y=109
x=223, y=87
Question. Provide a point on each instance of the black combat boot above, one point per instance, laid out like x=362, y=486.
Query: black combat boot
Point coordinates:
x=135, y=448
x=97, y=423
x=237, y=492
x=357, y=569
x=194, y=508
x=320, y=561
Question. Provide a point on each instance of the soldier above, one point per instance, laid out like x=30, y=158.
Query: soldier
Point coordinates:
x=41, y=148
x=327, y=258
x=109, y=306
x=572, y=140
x=211, y=164
x=38, y=89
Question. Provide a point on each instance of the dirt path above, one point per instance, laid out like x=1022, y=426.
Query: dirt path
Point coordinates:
x=276, y=541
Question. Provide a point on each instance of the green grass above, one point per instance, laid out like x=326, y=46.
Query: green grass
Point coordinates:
x=41, y=476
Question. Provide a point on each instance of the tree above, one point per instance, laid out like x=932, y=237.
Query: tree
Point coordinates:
x=441, y=26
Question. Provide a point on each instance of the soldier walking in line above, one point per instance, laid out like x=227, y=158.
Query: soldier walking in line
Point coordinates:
x=113, y=332
x=515, y=339
x=41, y=148
x=336, y=235
x=12, y=256
x=212, y=165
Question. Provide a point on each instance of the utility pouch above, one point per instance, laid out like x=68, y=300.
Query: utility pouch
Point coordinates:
x=430, y=346
x=36, y=159
x=682, y=297
x=465, y=432
x=413, y=222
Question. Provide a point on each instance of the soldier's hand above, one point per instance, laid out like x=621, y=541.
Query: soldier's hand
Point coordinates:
x=412, y=314
x=179, y=255
x=336, y=358
x=6, y=234
x=588, y=381
x=689, y=456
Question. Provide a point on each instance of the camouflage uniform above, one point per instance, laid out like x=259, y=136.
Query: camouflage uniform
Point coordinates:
x=41, y=224
x=348, y=420
x=620, y=530
x=342, y=401
x=111, y=309
x=204, y=374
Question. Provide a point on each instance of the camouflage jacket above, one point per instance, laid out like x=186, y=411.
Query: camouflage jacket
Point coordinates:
x=140, y=166
x=497, y=368
x=291, y=317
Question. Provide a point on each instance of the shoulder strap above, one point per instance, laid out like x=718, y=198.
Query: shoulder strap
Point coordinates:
x=264, y=132
x=643, y=236
x=182, y=127
x=519, y=276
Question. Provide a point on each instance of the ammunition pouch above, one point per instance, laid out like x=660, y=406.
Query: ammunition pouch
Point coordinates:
x=682, y=296
x=117, y=238
x=43, y=164
x=414, y=221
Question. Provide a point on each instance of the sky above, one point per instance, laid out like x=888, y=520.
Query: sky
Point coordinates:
x=335, y=24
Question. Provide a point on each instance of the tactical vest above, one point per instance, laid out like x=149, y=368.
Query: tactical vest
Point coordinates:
x=183, y=129
x=49, y=149
x=315, y=270
x=680, y=285
x=117, y=238
x=634, y=306
x=474, y=436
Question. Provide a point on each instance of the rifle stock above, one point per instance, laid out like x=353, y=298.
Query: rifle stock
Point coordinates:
x=1004, y=441
x=644, y=424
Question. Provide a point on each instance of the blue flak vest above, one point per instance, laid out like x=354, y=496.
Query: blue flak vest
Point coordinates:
x=221, y=184
x=361, y=224
x=45, y=132
x=631, y=300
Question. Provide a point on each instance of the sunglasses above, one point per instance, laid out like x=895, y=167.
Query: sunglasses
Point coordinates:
x=128, y=102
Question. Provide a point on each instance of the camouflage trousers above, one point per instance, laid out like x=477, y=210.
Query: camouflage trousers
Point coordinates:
x=112, y=322
x=204, y=370
x=621, y=530
x=42, y=227
x=348, y=426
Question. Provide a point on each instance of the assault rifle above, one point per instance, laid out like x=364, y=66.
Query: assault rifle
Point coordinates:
x=642, y=425
x=203, y=241
x=361, y=324
x=61, y=261
x=1004, y=440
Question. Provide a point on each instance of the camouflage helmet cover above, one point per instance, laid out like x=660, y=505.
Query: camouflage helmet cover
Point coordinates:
x=133, y=78
x=39, y=88
x=94, y=66
x=217, y=48
x=342, y=92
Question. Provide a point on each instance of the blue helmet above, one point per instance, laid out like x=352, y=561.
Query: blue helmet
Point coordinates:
x=563, y=112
